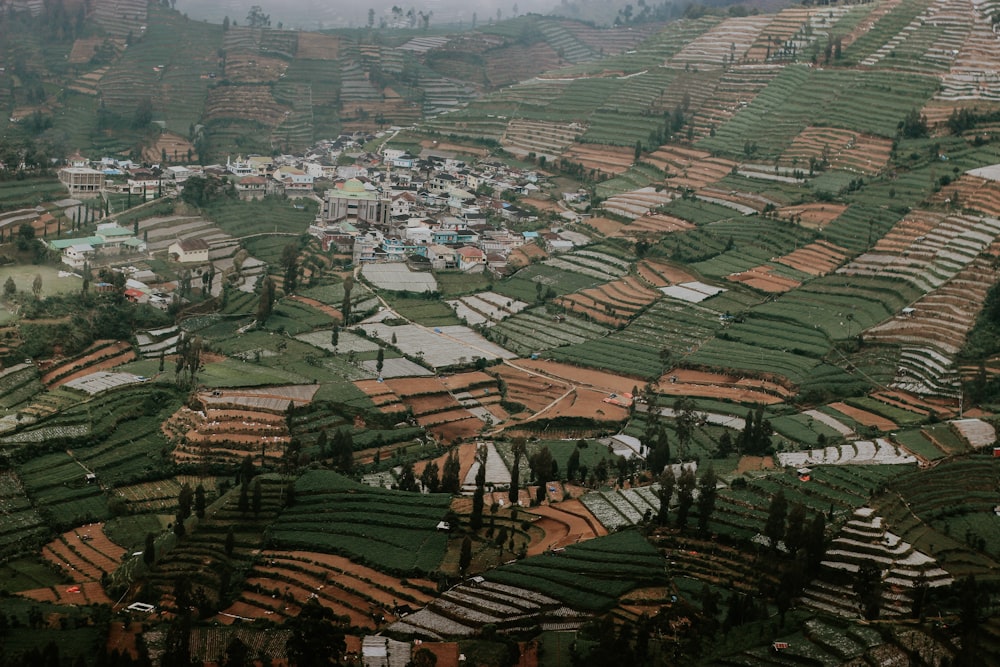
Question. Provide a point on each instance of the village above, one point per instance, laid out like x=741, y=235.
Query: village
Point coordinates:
x=432, y=211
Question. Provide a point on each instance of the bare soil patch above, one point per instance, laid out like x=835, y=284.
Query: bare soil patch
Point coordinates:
x=864, y=417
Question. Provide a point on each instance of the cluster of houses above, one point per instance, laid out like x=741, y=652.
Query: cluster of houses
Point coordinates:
x=432, y=210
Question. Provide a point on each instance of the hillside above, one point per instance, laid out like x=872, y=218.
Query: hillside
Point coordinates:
x=690, y=354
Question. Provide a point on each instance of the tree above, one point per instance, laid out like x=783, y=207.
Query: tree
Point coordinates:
x=230, y=542
x=450, y=482
x=774, y=528
x=795, y=530
x=685, y=495
x=706, y=498
x=380, y=360
x=815, y=543
x=407, y=478
x=36, y=285
x=476, y=518
x=868, y=586
x=345, y=306
x=257, y=498
x=423, y=657
x=465, y=557
x=518, y=447
x=237, y=654
x=257, y=18
x=335, y=337
x=143, y=115
x=184, y=502
x=543, y=466
x=243, y=504
x=290, y=262
x=665, y=493
x=149, y=550
x=685, y=419
x=265, y=304
x=9, y=288
x=429, y=477
x=316, y=640
x=199, y=501
x=573, y=464
x=342, y=450
x=25, y=236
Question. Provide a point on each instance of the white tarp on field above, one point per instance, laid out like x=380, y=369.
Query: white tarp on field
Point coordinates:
x=692, y=292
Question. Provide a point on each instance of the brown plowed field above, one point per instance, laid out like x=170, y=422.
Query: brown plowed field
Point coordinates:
x=813, y=216
x=88, y=592
x=321, y=307
x=864, y=417
x=318, y=46
x=611, y=160
x=582, y=402
x=100, y=349
x=525, y=254
x=816, y=259
x=585, y=377
x=454, y=431
x=121, y=638
x=175, y=145
x=103, y=365
x=762, y=278
x=718, y=385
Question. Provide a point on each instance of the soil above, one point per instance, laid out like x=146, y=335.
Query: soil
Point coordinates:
x=751, y=463
x=864, y=417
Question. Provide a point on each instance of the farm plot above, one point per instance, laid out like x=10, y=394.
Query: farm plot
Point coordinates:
x=234, y=423
x=346, y=342
x=816, y=259
x=590, y=576
x=18, y=383
x=788, y=105
x=486, y=308
x=725, y=43
x=98, y=381
x=84, y=554
x=926, y=249
x=392, y=531
x=432, y=405
x=397, y=277
x=838, y=149
x=155, y=342
x=100, y=355
x=20, y=524
x=861, y=452
x=538, y=329
x=346, y=588
x=686, y=382
x=635, y=203
x=613, y=304
x=566, y=522
x=765, y=279
x=652, y=224
x=609, y=160
x=440, y=347
x=815, y=215
x=943, y=317
x=590, y=263
x=539, y=137
x=533, y=392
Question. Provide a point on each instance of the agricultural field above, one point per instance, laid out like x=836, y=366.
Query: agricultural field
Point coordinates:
x=390, y=531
